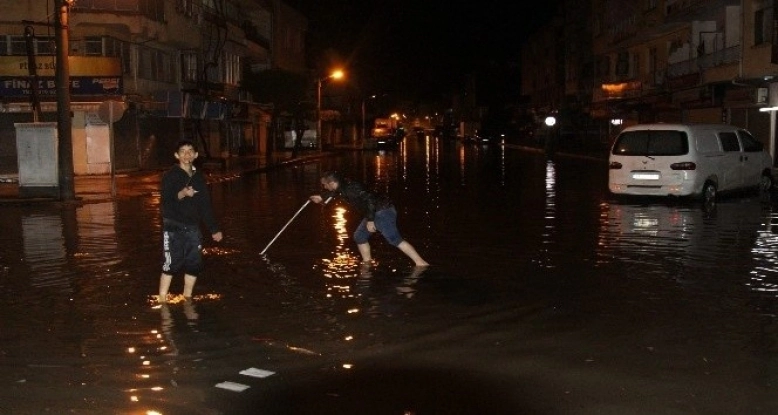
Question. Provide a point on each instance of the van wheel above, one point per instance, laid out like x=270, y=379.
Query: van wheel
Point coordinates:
x=766, y=183
x=709, y=192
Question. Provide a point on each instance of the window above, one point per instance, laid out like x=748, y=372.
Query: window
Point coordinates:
x=154, y=65
x=729, y=141
x=93, y=46
x=763, y=25
x=44, y=45
x=231, y=69
x=651, y=143
x=18, y=45
x=189, y=67
x=750, y=144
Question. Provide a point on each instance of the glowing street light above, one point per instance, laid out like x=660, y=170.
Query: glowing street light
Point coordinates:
x=335, y=75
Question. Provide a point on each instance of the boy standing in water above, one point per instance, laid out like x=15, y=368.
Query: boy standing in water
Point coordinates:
x=185, y=202
x=378, y=211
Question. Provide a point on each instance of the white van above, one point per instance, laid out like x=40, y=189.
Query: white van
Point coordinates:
x=697, y=160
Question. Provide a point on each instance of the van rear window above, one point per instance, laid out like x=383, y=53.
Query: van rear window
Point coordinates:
x=651, y=143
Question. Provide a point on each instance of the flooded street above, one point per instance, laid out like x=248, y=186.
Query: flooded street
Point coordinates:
x=545, y=296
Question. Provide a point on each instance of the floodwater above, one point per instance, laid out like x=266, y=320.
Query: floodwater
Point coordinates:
x=545, y=296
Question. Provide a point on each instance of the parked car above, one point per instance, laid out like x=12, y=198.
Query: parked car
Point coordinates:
x=698, y=160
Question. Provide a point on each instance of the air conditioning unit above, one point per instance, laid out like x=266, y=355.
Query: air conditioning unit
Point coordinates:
x=761, y=95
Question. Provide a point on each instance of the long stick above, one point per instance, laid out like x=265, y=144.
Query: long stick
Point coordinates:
x=290, y=221
x=287, y=224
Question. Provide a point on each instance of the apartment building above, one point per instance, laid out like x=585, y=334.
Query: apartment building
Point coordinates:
x=669, y=60
x=173, y=68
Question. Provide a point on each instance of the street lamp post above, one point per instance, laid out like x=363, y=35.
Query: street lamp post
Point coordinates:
x=335, y=75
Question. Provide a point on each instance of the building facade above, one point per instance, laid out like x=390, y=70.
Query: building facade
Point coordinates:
x=172, y=68
x=664, y=61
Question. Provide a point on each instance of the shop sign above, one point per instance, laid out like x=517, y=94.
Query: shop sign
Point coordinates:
x=21, y=86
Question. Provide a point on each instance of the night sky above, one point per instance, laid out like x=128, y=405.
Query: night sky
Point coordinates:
x=422, y=49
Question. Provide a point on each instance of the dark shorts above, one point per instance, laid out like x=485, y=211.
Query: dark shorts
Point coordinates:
x=182, y=248
x=385, y=223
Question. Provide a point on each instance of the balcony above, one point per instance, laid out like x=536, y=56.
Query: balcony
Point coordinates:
x=251, y=33
x=711, y=60
x=154, y=10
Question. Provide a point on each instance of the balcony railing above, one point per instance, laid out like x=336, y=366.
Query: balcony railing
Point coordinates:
x=719, y=57
x=153, y=9
x=711, y=60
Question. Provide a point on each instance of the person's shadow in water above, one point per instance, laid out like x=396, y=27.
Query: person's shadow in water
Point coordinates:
x=381, y=292
x=407, y=287
x=173, y=328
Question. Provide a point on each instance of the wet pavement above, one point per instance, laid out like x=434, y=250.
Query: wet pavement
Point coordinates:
x=545, y=296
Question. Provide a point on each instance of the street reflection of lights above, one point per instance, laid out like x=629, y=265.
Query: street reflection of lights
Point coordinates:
x=218, y=251
x=462, y=165
x=153, y=413
x=146, y=363
x=550, y=215
x=134, y=398
x=303, y=350
x=340, y=288
x=180, y=299
x=353, y=310
x=348, y=366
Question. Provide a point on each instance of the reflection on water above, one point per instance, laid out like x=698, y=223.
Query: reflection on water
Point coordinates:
x=44, y=250
x=549, y=217
x=734, y=243
x=764, y=277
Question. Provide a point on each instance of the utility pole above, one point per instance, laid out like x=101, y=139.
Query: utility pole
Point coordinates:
x=64, y=121
x=29, y=37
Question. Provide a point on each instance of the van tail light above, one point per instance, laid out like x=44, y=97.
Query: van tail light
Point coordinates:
x=686, y=165
x=615, y=165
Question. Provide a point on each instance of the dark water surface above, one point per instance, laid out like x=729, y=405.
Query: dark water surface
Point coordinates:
x=545, y=296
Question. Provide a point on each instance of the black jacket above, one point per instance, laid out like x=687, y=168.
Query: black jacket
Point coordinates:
x=189, y=210
x=365, y=201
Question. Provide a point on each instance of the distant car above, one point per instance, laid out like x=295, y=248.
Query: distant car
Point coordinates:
x=476, y=139
x=385, y=141
x=389, y=141
x=419, y=131
x=697, y=160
